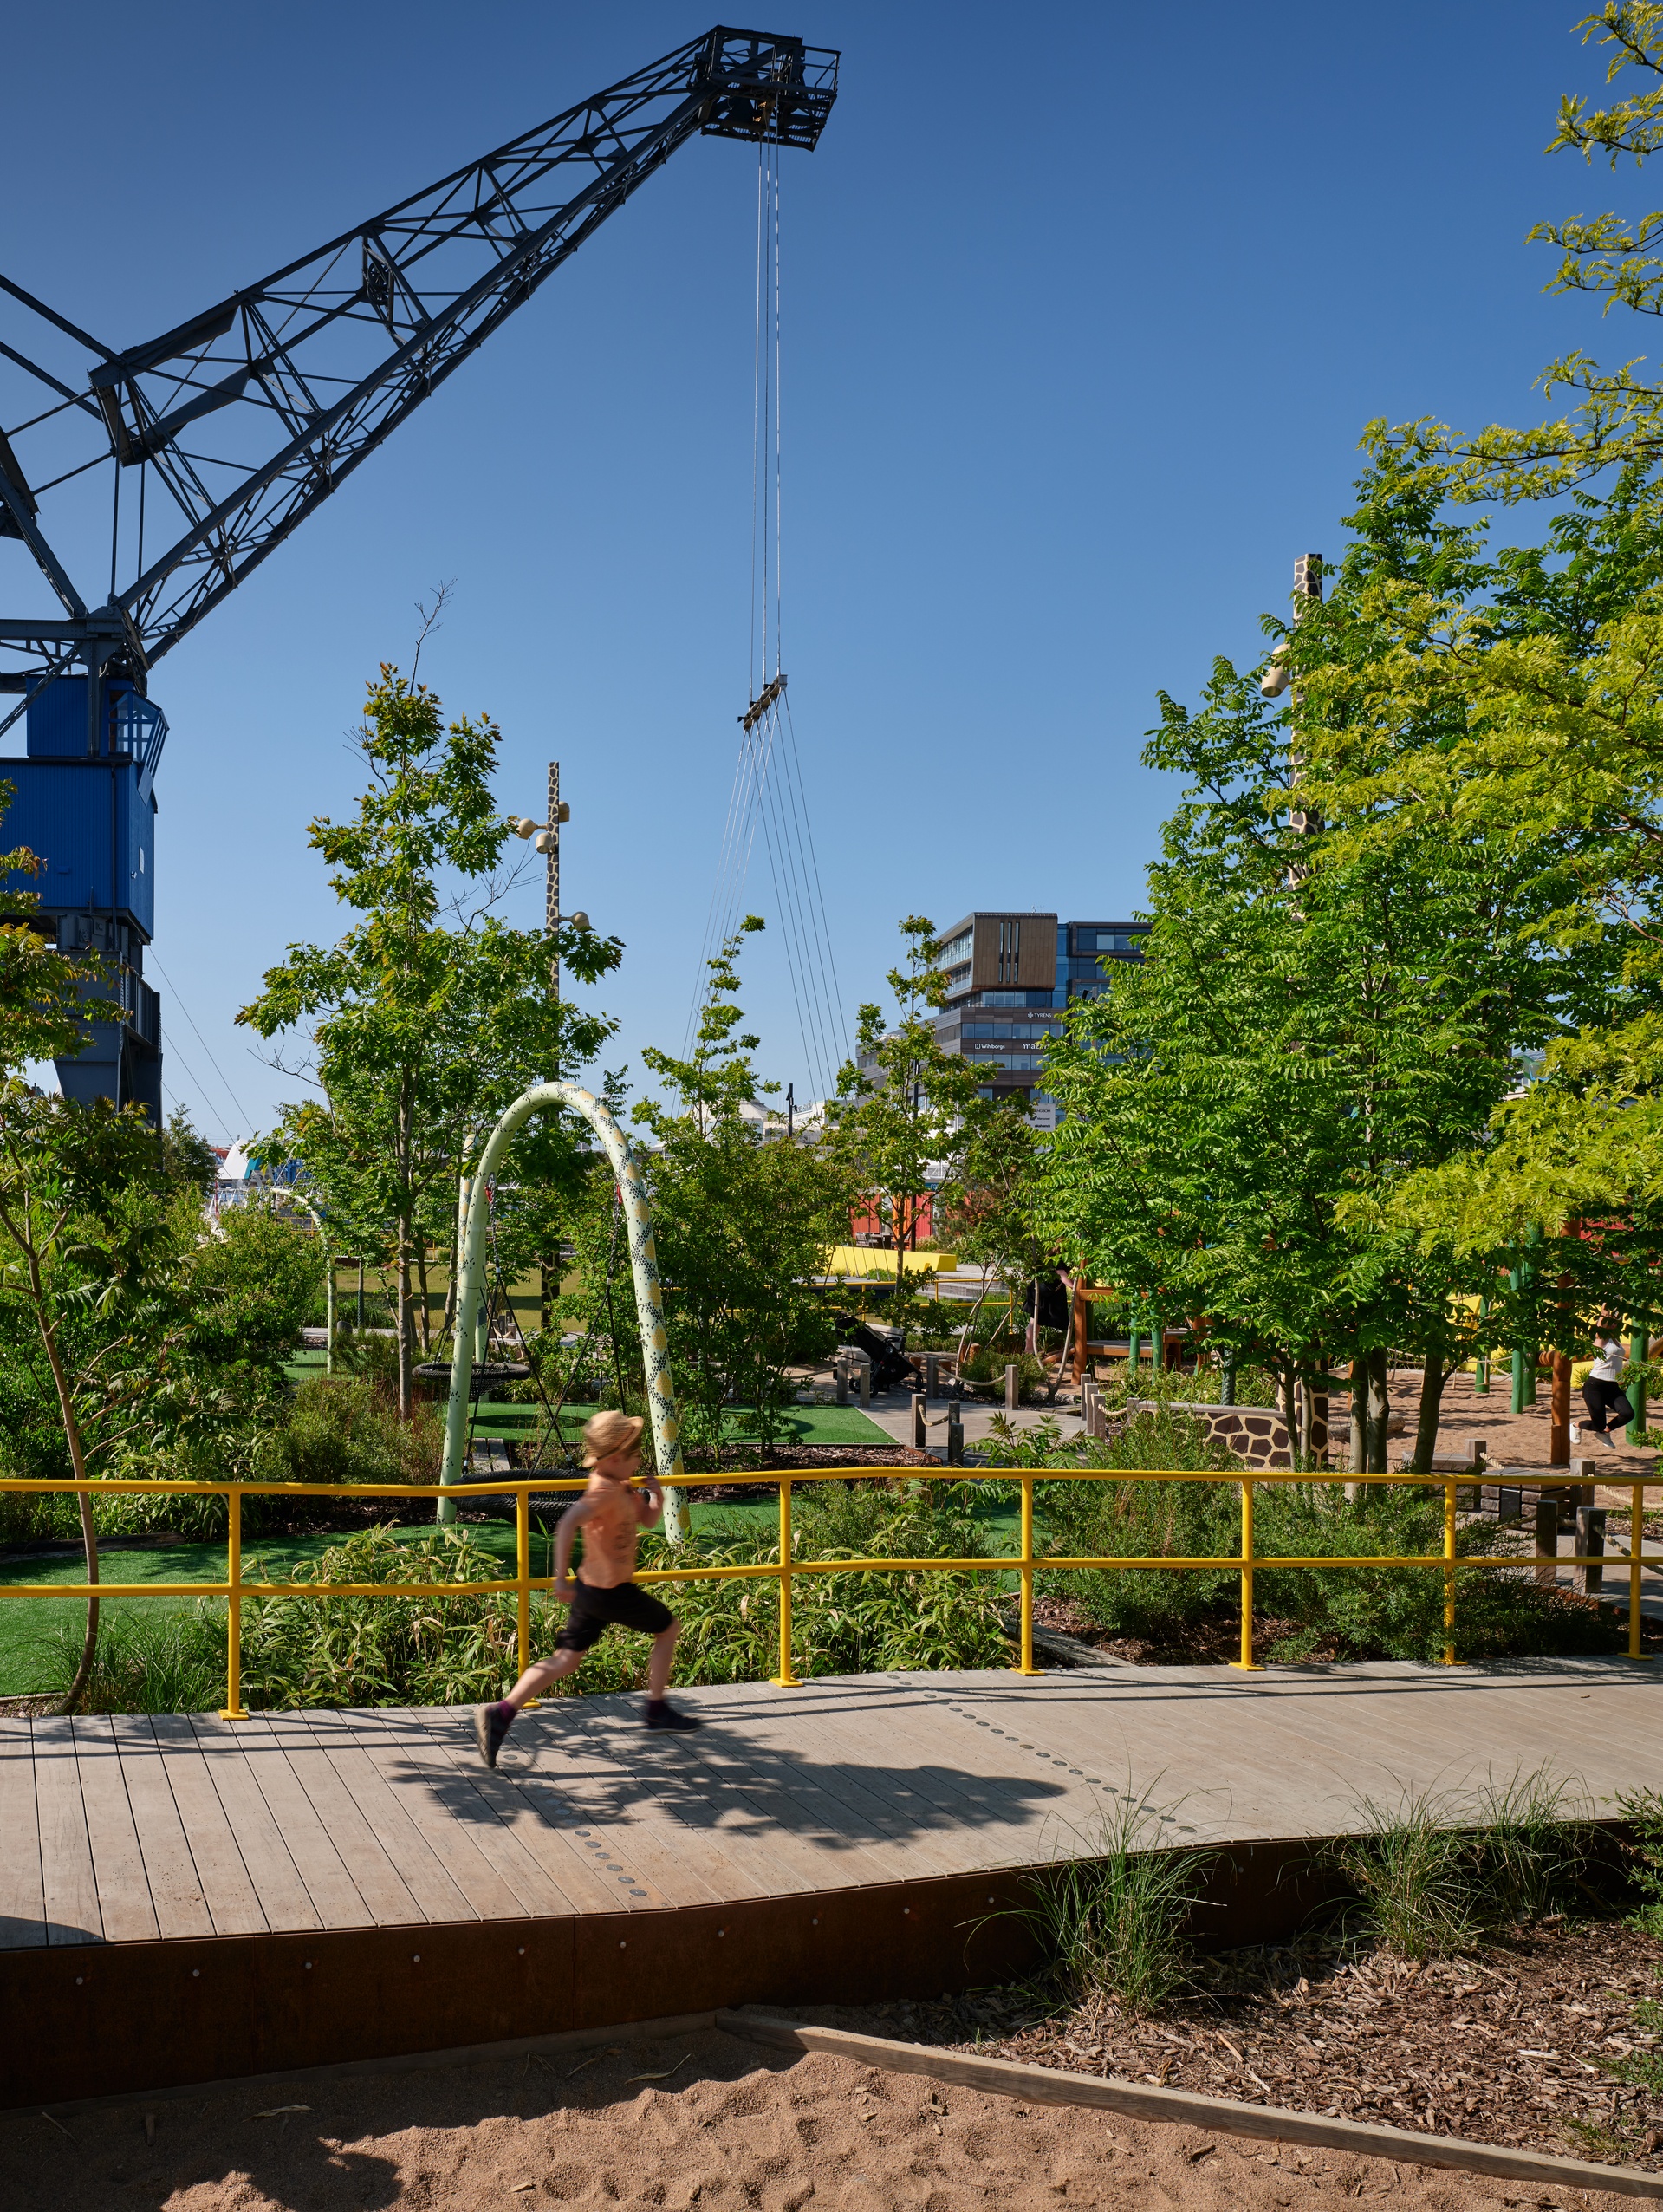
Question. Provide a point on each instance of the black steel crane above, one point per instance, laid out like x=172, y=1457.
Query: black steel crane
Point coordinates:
x=294, y=381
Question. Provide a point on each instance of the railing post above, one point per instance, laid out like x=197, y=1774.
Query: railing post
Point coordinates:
x=785, y=1679
x=1247, y=1663
x=1025, y=1658
x=233, y=1710
x=1636, y=1531
x=1449, y=1572
x=523, y=1569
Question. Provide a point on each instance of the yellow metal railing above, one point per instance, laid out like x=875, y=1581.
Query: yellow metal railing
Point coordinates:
x=1023, y=1563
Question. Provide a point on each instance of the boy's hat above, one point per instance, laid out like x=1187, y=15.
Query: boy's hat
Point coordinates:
x=606, y=1433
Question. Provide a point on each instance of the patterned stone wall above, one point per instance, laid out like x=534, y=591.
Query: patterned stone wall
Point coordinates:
x=1257, y=1435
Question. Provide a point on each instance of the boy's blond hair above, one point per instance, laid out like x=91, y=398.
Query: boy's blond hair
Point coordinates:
x=609, y=1432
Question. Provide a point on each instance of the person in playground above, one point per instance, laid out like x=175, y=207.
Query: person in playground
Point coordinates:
x=1602, y=1392
x=612, y=1514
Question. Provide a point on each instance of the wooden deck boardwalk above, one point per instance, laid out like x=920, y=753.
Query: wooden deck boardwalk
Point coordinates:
x=805, y=1818
x=141, y=1829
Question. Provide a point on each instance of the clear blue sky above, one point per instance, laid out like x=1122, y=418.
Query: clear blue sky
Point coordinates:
x=1085, y=307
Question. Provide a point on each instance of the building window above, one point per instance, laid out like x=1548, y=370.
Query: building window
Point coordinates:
x=1009, y=951
x=958, y=949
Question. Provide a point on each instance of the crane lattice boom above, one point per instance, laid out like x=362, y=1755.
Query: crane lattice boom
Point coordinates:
x=294, y=380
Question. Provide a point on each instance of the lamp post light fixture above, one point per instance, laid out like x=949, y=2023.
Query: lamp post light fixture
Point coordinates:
x=545, y=839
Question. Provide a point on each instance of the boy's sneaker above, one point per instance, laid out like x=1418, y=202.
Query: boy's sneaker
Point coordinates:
x=490, y=1725
x=660, y=1713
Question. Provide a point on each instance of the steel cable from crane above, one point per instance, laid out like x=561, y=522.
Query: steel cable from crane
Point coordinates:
x=769, y=788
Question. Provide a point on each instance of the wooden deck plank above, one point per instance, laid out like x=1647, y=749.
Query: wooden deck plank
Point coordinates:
x=574, y=1842
x=22, y=1887
x=445, y=1813
x=65, y=1845
x=453, y=1789
x=927, y=1820
x=118, y=1868
x=320, y=1816
x=175, y=1890
x=68, y=1880
x=623, y=1808
x=804, y=1821
x=732, y=1849
x=330, y=1889
x=423, y=1875
x=227, y=1887
x=932, y=1782
x=536, y=1811
x=276, y=1881
x=936, y=1794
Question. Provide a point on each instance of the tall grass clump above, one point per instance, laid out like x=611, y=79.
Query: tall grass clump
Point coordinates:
x=154, y=1658
x=1115, y=1924
x=1432, y=1873
x=1643, y=1811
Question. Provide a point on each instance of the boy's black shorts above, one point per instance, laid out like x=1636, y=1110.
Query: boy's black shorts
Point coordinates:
x=593, y=1611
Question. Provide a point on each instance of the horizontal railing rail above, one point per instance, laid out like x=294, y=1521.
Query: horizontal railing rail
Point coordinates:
x=1024, y=1562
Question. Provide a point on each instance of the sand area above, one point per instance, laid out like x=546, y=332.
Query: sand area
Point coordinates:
x=730, y=2125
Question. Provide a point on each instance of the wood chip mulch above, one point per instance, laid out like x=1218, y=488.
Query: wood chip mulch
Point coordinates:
x=1522, y=2044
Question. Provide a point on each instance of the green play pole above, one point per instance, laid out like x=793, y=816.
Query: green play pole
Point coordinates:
x=1638, y=1346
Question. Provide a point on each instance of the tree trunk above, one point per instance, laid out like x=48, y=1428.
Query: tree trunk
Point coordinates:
x=1380, y=1407
x=1357, y=1457
x=1432, y=1400
x=403, y=1228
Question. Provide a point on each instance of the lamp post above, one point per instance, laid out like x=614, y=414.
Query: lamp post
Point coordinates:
x=545, y=837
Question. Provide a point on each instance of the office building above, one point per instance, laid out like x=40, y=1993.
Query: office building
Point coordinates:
x=1010, y=977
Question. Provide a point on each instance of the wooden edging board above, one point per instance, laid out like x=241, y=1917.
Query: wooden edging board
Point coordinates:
x=1222, y=2115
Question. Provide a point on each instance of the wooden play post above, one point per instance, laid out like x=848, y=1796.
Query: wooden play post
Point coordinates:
x=1559, y=1413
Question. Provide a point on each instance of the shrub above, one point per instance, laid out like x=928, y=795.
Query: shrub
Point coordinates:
x=987, y=1364
x=1342, y=1612
x=339, y=1651
x=841, y=1623
x=425, y=1651
x=336, y=1431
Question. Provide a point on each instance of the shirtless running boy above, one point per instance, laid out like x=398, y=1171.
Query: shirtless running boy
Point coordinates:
x=612, y=1516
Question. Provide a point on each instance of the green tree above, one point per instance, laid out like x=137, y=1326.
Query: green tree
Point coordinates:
x=424, y=1031
x=743, y=1228
x=1320, y=1019
x=897, y=1131
x=989, y=1209
x=126, y=1331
